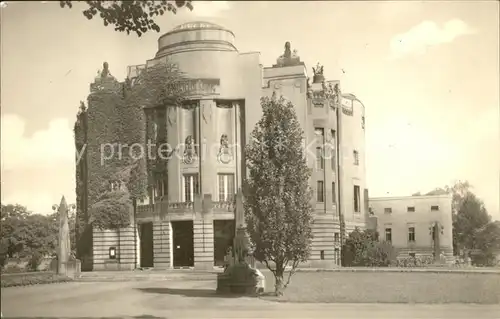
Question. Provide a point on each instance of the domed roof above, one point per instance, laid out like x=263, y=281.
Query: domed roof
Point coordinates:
x=197, y=25
x=196, y=35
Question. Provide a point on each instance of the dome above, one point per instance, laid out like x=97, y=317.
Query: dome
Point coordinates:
x=197, y=35
x=196, y=25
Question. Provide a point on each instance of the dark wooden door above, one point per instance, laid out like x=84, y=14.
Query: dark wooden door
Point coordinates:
x=146, y=238
x=183, y=244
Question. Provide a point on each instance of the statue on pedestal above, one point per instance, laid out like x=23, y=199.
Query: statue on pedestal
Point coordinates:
x=288, y=58
x=318, y=76
x=105, y=70
x=105, y=81
x=241, y=277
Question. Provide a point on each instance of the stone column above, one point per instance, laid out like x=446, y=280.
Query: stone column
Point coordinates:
x=208, y=147
x=137, y=246
x=237, y=149
x=203, y=235
x=161, y=244
x=174, y=178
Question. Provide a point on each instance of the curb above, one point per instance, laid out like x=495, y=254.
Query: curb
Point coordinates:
x=405, y=270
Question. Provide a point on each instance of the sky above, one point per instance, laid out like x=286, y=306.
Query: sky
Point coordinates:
x=427, y=73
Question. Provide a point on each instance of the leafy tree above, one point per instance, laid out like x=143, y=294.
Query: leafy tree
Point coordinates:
x=26, y=234
x=130, y=16
x=278, y=210
x=14, y=235
x=487, y=239
x=469, y=215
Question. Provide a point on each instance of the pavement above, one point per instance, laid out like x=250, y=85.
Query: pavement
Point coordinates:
x=190, y=274
x=197, y=299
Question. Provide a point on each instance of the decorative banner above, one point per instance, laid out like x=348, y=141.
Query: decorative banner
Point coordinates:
x=200, y=86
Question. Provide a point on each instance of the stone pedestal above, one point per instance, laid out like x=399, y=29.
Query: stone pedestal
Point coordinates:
x=241, y=279
x=72, y=268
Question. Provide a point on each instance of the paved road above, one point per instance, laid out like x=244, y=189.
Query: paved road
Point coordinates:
x=196, y=299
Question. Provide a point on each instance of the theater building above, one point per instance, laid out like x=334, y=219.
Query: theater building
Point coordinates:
x=188, y=219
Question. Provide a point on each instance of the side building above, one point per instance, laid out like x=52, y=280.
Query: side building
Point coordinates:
x=188, y=218
x=415, y=225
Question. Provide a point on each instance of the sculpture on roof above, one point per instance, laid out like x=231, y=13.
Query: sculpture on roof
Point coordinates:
x=318, y=70
x=105, y=81
x=105, y=70
x=318, y=76
x=82, y=107
x=288, y=58
x=288, y=52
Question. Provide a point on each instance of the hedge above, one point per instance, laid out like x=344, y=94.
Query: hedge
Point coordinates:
x=34, y=278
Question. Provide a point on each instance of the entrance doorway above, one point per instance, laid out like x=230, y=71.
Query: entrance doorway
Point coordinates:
x=224, y=231
x=183, y=245
x=146, y=244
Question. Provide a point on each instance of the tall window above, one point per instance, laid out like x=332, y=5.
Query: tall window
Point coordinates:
x=191, y=187
x=334, y=193
x=226, y=187
x=333, y=147
x=356, y=157
x=320, y=140
x=336, y=237
x=388, y=234
x=319, y=158
x=160, y=188
x=320, y=134
x=320, y=192
x=411, y=234
x=357, y=199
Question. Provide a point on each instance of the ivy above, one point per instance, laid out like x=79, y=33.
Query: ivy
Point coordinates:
x=115, y=120
x=112, y=211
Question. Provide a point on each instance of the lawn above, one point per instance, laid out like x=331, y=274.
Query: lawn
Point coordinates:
x=389, y=287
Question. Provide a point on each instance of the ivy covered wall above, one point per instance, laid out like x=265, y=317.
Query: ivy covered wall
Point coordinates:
x=112, y=173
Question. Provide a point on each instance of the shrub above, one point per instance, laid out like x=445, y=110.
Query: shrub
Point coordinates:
x=26, y=279
x=113, y=211
x=483, y=259
x=418, y=261
x=381, y=254
x=362, y=248
x=3, y=261
x=12, y=269
x=34, y=261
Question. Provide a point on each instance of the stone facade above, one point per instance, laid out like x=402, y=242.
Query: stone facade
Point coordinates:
x=420, y=225
x=207, y=169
